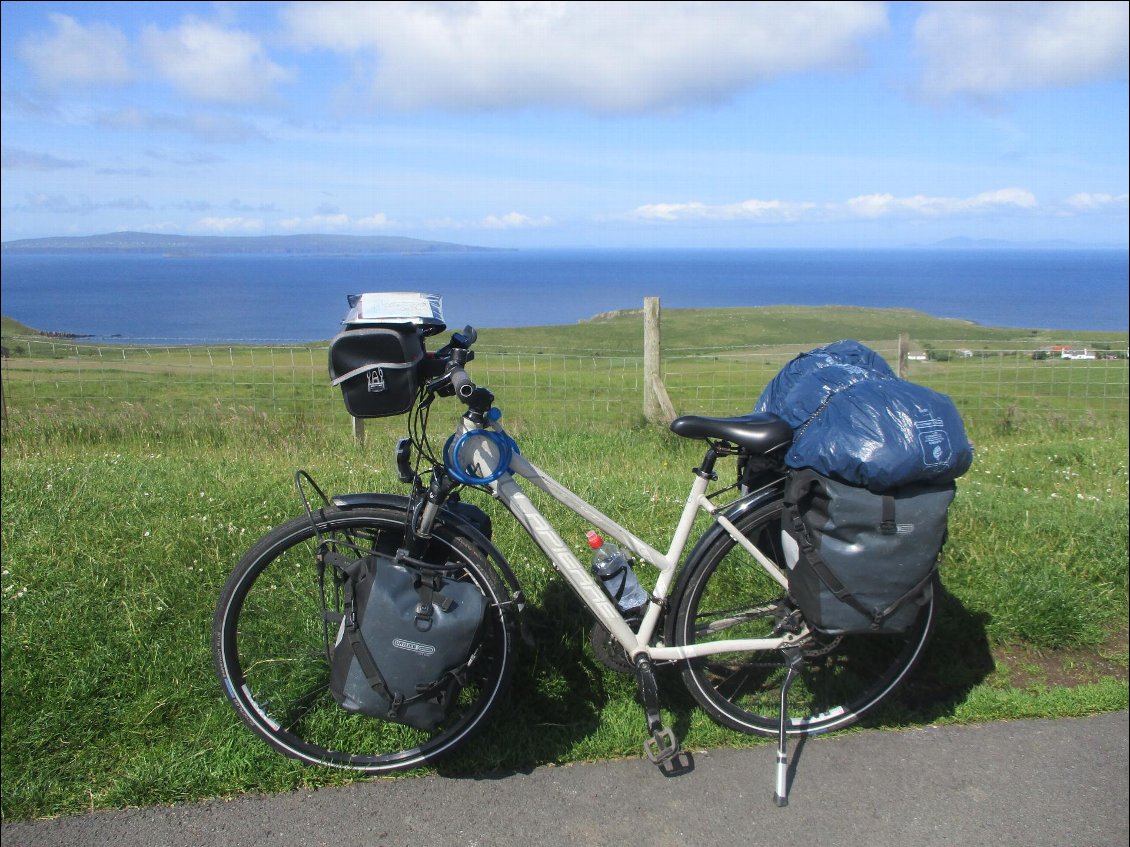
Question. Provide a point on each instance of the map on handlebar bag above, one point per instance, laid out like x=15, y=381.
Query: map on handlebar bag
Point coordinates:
x=395, y=307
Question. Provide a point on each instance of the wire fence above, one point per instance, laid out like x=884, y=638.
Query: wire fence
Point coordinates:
x=989, y=384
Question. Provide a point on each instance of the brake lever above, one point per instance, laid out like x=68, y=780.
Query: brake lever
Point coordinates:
x=441, y=386
x=466, y=338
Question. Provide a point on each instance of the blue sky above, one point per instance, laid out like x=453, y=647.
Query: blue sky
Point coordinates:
x=570, y=124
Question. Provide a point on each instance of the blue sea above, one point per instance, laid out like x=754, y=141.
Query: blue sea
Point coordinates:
x=149, y=298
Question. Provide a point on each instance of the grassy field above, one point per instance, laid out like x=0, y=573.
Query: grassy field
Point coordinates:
x=120, y=527
x=714, y=362
x=699, y=330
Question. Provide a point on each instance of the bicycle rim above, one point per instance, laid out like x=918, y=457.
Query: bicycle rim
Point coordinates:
x=270, y=646
x=728, y=595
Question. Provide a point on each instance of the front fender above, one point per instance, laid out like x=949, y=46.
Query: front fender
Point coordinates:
x=360, y=501
x=448, y=518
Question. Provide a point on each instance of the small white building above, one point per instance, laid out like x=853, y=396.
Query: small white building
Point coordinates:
x=1077, y=354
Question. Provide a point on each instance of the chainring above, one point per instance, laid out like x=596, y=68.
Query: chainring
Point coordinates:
x=608, y=651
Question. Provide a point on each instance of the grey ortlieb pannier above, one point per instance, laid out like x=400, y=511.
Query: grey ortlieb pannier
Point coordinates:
x=406, y=641
x=864, y=562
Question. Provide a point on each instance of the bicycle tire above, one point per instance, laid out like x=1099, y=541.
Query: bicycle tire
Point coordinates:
x=726, y=594
x=271, y=650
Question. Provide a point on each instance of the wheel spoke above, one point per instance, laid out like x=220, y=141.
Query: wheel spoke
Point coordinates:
x=723, y=620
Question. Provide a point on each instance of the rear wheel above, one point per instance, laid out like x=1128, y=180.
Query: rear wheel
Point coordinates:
x=271, y=643
x=726, y=594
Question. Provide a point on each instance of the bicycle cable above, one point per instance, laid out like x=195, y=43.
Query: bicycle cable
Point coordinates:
x=299, y=476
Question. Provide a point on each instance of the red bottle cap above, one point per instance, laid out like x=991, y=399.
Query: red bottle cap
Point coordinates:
x=595, y=541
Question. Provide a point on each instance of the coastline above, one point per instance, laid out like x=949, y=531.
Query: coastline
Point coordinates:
x=276, y=297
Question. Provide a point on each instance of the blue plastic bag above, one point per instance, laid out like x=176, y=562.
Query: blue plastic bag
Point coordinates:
x=802, y=385
x=856, y=422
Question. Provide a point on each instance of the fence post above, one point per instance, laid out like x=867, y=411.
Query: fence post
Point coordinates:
x=657, y=406
x=904, y=348
x=652, y=349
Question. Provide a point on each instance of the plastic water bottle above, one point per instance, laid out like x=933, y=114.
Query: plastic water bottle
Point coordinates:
x=612, y=566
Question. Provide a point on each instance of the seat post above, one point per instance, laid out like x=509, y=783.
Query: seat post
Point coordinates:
x=706, y=469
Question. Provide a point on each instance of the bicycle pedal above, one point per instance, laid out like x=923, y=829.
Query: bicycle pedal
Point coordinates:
x=661, y=746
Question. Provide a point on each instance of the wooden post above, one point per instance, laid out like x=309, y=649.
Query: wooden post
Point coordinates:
x=664, y=400
x=904, y=348
x=359, y=431
x=657, y=407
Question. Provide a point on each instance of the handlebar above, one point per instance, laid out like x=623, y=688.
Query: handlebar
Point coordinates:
x=454, y=379
x=449, y=377
x=461, y=382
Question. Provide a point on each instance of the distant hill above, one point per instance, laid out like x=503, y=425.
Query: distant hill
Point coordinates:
x=206, y=245
x=999, y=244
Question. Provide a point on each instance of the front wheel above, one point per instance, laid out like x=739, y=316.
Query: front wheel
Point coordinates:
x=726, y=594
x=272, y=639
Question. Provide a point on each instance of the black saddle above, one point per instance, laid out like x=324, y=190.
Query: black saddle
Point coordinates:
x=757, y=432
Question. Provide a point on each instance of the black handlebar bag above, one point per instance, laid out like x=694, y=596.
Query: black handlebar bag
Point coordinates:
x=377, y=369
x=865, y=562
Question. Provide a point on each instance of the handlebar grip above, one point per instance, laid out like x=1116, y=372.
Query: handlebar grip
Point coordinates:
x=461, y=383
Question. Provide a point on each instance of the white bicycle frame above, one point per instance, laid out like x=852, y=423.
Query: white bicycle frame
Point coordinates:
x=482, y=454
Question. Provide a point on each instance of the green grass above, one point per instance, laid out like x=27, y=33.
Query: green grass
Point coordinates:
x=122, y=520
x=591, y=371
x=712, y=329
x=115, y=548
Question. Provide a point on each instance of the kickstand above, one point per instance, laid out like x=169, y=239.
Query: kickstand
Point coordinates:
x=794, y=659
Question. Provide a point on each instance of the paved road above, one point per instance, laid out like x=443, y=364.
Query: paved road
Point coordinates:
x=1028, y=783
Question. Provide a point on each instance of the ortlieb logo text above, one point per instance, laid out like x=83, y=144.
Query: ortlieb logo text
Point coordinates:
x=413, y=646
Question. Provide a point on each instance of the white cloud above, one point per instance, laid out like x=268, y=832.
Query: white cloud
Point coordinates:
x=983, y=49
x=868, y=206
x=222, y=129
x=1088, y=202
x=14, y=158
x=376, y=221
x=759, y=210
x=77, y=55
x=58, y=204
x=317, y=223
x=604, y=57
x=513, y=220
x=510, y=220
x=887, y=205
x=320, y=222
x=232, y=224
x=184, y=158
x=210, y=63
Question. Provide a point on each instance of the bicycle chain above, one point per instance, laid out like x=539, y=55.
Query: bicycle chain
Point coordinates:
x=812, y=652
